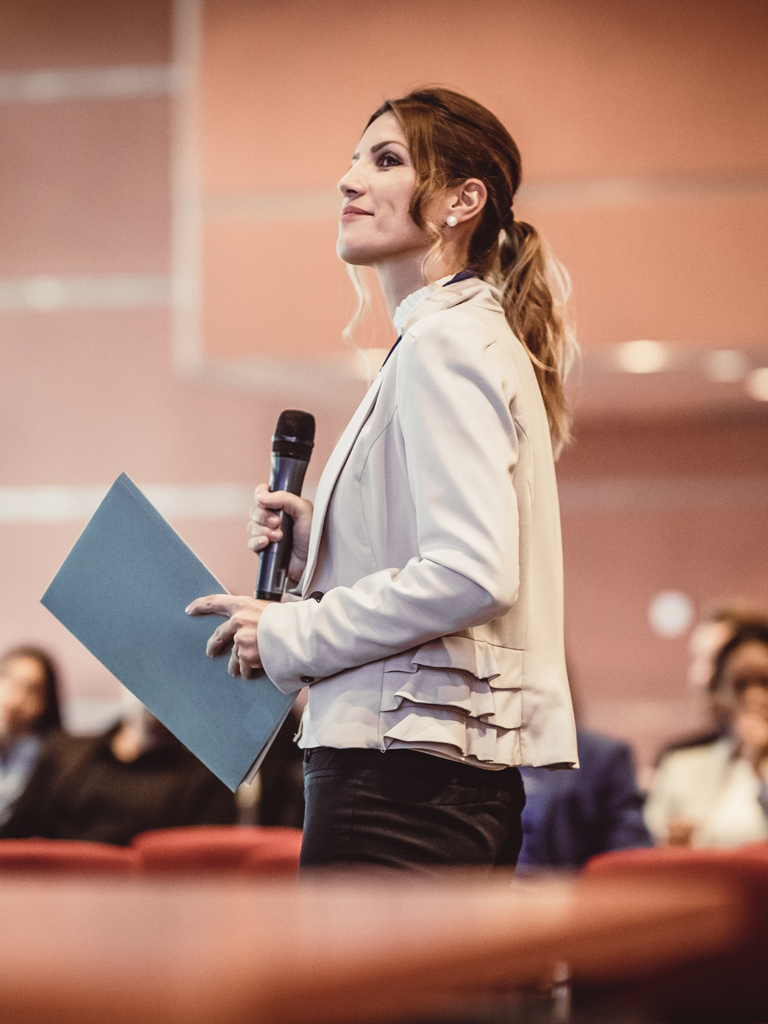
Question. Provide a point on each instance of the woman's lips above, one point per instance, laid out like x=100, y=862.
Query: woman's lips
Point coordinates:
x=352, y=211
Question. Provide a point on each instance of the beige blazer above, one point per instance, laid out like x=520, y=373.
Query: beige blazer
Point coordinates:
x=436, y=554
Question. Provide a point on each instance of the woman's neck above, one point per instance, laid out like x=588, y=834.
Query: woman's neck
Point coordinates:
x=401, y=277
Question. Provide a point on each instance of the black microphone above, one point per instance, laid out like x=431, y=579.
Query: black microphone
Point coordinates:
x=291, y=448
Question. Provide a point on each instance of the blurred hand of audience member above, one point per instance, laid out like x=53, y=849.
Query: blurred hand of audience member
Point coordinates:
x=680, y=832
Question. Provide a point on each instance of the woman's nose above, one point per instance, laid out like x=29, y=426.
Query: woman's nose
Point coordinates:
x=349, y=184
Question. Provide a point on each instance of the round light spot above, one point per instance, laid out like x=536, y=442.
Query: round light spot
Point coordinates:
x=642, y=356
x=725, y=365
x=670, y=613
x=757, y=384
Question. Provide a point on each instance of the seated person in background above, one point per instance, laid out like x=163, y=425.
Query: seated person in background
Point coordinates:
x=29, y=712
x=715, y=794
x=570, y=816
x=108, y=788
x=708, y=637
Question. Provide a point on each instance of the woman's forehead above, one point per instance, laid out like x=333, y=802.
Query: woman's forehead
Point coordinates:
x=386, y=128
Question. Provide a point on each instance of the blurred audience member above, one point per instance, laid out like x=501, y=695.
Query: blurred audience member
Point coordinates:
x=29, y=712
x=710, y=635
x=570, y=816
x=715, y=793
x=107, y=788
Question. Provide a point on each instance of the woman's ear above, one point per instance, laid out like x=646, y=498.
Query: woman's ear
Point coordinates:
x=467, y=201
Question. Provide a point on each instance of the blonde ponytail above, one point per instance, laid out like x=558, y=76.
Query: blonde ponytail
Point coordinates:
x=535, y=288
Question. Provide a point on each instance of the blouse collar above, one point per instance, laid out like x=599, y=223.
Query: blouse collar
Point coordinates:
x=410, y=302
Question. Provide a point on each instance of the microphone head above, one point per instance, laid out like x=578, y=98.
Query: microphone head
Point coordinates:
x=295, y=425
x=294, y=434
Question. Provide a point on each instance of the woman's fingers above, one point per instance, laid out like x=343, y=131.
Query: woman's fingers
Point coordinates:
x=239, y=665
x=268, y=505
x=242, y=620
x=220, y=638
x=214, y=604
x=264, y=525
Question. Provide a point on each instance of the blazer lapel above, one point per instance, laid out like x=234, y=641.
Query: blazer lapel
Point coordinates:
x=330, y=475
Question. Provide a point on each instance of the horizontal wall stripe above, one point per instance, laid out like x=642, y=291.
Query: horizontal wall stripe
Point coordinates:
x=52, y=85
x=301, y=204
x=89, y=715
x=59, y=504
x=53, y=504
x=634, y=191
x=673, y=494
x=47, y=292
x=270, y=206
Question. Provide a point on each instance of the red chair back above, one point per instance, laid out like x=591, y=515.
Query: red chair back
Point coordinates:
x=65, y=855
x=280, y=857
x=727, y=987
x=203, y=848
x=672, y=859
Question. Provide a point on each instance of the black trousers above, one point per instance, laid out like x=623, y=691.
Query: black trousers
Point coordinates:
x=409, y=810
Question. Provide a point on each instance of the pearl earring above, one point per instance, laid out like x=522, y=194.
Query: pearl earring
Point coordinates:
x=451, y=221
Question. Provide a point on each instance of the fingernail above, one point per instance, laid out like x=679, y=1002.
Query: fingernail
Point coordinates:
x=188, y=608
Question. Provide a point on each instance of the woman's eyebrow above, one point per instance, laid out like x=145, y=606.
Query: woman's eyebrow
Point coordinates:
x=381, y=145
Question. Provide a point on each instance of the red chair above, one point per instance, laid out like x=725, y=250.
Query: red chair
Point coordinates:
x=205, y=848
x=278, y=858
x=65, y=856
x=726, y=987
x=670, y=859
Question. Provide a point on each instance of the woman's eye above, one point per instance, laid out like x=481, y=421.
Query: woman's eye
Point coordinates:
x=389, y=160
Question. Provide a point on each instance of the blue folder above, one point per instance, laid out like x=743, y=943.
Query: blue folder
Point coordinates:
x=122, y=592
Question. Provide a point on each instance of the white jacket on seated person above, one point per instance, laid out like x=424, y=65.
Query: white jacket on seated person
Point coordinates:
x=436, y=553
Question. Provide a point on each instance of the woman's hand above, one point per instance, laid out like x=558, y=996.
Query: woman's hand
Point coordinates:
x=264, y=526
x=243, y=614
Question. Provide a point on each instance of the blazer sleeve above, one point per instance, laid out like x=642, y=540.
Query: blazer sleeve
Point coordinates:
x=452, y=407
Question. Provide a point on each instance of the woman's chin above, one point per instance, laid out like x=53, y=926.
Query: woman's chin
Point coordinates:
x=355, y=256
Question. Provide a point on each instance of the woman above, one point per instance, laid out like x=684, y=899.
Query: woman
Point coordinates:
x=716, y=793
x=29, y=711
x=431, y=625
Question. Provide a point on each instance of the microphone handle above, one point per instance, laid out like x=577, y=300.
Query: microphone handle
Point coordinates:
x=287, y=475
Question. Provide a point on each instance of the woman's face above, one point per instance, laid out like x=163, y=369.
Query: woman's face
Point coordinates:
x=745, y=677
x=375, y=225
x=22, y=695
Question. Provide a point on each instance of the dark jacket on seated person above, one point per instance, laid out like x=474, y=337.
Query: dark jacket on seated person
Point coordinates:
x=81, y=790
x=570, y=816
